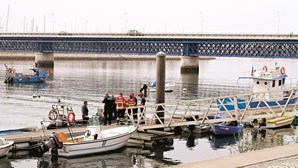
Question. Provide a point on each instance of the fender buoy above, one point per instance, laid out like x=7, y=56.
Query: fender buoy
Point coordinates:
x=70, y=117
x=282, y=70
x=53, y=115
x=265, y=68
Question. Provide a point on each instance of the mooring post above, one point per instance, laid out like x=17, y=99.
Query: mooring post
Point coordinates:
x=160, y=84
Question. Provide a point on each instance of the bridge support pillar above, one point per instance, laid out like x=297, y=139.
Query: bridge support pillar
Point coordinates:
x=189, y=64
x=44, y=60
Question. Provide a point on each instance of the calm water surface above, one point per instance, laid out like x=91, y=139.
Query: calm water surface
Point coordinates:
x=76, y=81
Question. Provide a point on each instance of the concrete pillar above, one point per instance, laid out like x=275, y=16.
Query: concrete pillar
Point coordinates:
x=189, y=64
x=44, y=60
x=160, y=82
x=189, y=81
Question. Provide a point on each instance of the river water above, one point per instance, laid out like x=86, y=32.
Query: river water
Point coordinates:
x=75, y=81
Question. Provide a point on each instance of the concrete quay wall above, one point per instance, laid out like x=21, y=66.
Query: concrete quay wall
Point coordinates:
x=81, y=56
x=254, y=159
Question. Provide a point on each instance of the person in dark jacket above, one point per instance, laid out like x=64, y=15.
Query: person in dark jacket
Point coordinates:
x=114, y=108
x=85, y=111
x=108, y=109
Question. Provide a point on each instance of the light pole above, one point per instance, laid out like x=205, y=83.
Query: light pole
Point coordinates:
x=125, y=14
x=278, y=20
x=202, y=20
x=53, y=22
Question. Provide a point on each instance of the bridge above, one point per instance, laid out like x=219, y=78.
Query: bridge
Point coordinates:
x=193, y=45
x=227, y=45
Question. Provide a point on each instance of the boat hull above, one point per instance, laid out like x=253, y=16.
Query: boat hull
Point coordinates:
x=221, y=129
x=29, y=80
x=277, y=122
x=4, y=149
x=229, y=105
x=91, y=147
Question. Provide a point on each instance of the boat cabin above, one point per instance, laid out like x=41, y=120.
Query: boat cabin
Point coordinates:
x=269, y=80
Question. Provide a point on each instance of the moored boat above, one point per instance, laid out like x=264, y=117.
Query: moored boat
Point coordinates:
x=94, y=141
x=274, y=122
x=295, y=121
x=169, y=87
x=38, y=76
x=227, y=128
x=271, y=81
x=5, y=146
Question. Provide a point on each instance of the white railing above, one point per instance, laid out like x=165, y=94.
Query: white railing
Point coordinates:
x=241, y=107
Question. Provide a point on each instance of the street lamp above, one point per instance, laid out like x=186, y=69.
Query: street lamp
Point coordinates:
x=202, y=20
x=53, y=22
x=278, y=20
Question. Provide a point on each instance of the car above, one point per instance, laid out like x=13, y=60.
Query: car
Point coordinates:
x=134, y=33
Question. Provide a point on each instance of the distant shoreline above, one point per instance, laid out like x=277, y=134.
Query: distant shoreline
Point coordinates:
x=72, y=56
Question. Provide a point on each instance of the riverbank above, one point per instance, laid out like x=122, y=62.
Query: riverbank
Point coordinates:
x=81, y=56
x=281, y=156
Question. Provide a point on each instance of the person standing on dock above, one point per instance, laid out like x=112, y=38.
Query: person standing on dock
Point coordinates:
x=114, y=108
x=132, y=102
x=143, y=102
x=120, y=103
x=108, y=109
x=85, y=111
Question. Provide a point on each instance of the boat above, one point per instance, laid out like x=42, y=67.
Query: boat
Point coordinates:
x=271, y=81
x=227, y=128
x=93, y=141
x=273, y=122
x=38, y=76
x=169, y=87
x=295, y=121
x=5, y=146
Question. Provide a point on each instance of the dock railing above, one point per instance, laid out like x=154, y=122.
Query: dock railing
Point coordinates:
x=240, y=107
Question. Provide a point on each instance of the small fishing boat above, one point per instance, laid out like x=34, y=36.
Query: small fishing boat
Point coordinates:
x=93, y=141
x=271, y=81
x=295, y=121
x=37, y=76
x=273, y=122
x=227, y=128
x=5, y=146
x=169, y=87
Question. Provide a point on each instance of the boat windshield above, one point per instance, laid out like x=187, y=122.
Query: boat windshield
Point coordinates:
x=93, y=121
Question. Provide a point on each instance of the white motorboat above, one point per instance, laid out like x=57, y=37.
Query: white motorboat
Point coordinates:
x=5, y=146
x=169, y=87
x=94, y=141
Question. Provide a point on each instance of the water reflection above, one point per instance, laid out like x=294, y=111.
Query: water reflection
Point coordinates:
x=5, y=162
x=220, y=142
x=116, y=159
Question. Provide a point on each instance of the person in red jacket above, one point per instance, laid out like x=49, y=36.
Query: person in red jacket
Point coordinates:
x=120, y=104
x=132, y=102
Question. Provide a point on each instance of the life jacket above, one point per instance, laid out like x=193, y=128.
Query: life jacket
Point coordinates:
x=120, y=102
x=131, y=102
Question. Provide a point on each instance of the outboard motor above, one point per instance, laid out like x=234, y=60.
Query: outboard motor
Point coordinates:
x=53, y=143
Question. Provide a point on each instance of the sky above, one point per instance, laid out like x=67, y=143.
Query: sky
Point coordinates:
x=150, y=16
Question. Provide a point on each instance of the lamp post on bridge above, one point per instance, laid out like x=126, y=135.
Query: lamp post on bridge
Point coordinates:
x=53, y=22
x=202, y=20
x=278, y=20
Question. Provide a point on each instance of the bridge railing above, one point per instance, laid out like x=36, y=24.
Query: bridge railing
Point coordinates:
x=241, y=107
x=159, y=35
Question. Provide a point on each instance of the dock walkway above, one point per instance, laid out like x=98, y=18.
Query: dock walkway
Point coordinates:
x=250, y=159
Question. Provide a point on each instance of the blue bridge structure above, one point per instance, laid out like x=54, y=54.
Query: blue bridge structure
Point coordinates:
x=219, y=45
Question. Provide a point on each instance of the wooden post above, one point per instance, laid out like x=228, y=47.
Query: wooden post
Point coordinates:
x=160, y=84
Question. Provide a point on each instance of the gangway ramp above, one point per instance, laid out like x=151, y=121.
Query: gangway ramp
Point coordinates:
x=240, y=107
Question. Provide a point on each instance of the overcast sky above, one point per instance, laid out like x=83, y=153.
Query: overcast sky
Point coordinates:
x=150, y=16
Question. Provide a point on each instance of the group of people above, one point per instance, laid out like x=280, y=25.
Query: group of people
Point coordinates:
x=114, y=108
